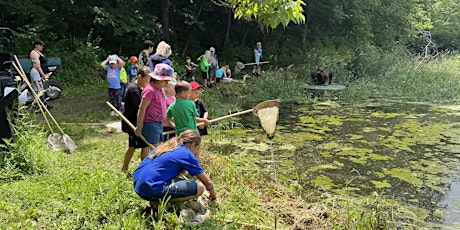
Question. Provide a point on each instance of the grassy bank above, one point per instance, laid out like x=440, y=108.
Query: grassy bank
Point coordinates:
x=85, y=190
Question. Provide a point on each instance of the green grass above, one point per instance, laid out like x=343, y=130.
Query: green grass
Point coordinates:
x=42, y=189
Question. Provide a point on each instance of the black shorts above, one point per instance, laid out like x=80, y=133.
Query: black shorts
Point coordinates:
x=136, y=142
x=169, y=136
x=204, y=75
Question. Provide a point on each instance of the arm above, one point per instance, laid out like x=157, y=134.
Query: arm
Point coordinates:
x=205, y=116
x=104, y=63
x=170, y=122
x=140, y=116
x=206, y=180
x=204, y=120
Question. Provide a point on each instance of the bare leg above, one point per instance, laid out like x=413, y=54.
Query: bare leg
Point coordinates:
x=128, y=156
x=144, y=152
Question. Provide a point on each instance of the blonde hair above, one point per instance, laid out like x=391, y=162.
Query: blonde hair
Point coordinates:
x=207, y=55
x=163, y=49
x=188, y=136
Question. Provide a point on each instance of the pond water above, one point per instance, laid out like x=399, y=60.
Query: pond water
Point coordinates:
x=407, y=152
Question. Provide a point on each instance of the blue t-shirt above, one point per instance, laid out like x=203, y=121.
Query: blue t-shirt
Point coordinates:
x=257, y=57
x=151, y=174
x=220, y=73
x=113, y=77
x=132, y=71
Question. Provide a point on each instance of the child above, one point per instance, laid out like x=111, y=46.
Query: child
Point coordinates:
x=256, y=70
x=182, y=113
x=259, y=48
x=123, y=82
x=132, y=69
x=152, y=110
x=190, y=69
x=200, y=107
x=221, y=73
x=228, y=71
x=170, y=98
x=132, y=102
x=144, y=55
x=113, y=80
x=204, y=66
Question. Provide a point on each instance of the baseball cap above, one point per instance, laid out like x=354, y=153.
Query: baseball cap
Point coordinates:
x=112, y=59
x=195, y=85
x=162, y=72
x=39, y=42
x=133, y=59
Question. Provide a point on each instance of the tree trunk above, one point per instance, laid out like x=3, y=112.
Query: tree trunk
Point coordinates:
x=227, y=31
x=189, y=38
x=165, y=20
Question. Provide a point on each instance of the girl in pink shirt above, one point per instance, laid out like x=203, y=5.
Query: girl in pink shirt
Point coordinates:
x=152, y=110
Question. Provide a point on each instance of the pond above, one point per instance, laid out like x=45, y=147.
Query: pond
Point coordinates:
x=408, y=152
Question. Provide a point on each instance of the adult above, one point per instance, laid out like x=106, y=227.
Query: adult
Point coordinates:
x=39, y=69
x=144, y=55
x=132, y=101
x=161, y=56
x=156, y=177
x=214, y=65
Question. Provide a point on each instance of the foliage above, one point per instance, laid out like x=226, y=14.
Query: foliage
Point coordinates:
x=270, y=13
x=25, y=150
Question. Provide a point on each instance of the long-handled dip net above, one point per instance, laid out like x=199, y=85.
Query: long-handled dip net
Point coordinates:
x=268, y=116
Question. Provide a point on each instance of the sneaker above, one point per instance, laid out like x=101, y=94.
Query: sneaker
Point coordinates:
x=112, y=113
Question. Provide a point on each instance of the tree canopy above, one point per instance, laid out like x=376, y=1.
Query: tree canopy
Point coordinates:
x=192, y=26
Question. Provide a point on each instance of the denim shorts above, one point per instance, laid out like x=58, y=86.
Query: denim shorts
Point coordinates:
x=153, y=132
x=175, y=188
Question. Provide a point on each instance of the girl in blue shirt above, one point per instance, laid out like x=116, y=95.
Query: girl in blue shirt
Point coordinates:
x=156, y=177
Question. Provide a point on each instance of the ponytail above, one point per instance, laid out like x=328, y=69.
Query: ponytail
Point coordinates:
x=188, y=136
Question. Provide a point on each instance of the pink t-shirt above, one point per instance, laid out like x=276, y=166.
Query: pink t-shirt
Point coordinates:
x=169, y=101
x=156, y=111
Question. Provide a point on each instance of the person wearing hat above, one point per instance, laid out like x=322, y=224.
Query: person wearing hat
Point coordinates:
x=113, y=69
x=132, y=69
x=152, y=110
x=39, y=69
x=199, y=105
x=214, y=65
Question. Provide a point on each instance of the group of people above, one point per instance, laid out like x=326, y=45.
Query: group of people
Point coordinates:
x=156, y=101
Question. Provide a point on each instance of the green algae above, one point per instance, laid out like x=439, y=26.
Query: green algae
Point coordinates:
x=404, y=174
x=323, y=182
x=379, y=157
x=381, y=184
x=413, y=150
x=380, y=114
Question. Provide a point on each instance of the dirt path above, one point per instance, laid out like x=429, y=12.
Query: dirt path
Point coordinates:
x=76, y=107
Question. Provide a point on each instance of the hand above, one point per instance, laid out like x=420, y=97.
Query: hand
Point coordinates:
x=138, y=132
x=207, y=122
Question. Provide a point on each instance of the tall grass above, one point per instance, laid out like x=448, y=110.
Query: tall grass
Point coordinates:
x=21, y=157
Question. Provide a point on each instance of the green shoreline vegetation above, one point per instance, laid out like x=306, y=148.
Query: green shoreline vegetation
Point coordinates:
x=42, y=189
